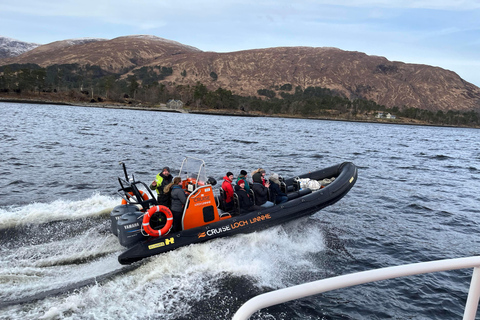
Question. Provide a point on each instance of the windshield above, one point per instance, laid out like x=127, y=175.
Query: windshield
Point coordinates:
x=193, y=169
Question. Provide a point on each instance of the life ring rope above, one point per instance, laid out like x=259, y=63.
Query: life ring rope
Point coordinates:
x=146, y=221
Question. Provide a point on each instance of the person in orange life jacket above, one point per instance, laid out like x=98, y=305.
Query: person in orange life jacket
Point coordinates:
x=261, y=191
x=276, y=193
x=245, y=199
x=161, y=181
x=228, y=188
x=179, y=198
x=243, y=176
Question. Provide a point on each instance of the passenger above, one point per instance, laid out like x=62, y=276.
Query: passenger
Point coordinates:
x=228, y=188
x=245, y=199
x=161, y=181
x=276, y=194
x=243, y=176
x=259, y=173
x=179, y=198
x=261, y=191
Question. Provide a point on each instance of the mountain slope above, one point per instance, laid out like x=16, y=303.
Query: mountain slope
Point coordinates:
x=12, y=48
x=354, y=74
x=112, y=55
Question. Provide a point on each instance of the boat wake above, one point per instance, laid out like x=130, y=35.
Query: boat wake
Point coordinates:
x=67, y=260
x=65, y=289
x=96, y=206
x=54, y=248
x=83, y=276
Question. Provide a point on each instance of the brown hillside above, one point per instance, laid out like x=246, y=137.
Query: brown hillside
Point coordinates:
x=112, y=55
x=355, y=74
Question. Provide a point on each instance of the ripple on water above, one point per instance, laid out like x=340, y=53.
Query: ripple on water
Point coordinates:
x=407, y=206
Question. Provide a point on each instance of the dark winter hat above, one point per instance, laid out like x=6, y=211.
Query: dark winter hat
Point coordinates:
x=262, y=170
x=166, y=168
x=243, y=172
x=229, y=174
x=257, y=177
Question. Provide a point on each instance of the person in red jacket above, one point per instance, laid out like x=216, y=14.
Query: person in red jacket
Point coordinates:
x=228, y=188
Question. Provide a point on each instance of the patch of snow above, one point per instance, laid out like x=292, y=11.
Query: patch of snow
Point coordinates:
x=73, y=42
x=150, y=37
x=11, y=47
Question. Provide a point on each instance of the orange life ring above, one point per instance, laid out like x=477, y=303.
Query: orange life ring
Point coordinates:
x=144, y=196
x=148, y=215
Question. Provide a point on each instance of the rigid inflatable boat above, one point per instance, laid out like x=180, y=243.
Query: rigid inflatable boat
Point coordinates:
x=144, y=227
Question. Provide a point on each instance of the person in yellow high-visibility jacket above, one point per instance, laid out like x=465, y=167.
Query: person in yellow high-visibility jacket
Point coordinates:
x=161, y=180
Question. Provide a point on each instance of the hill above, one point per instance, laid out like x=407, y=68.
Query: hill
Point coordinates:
x=350, y=74
x=12, y=48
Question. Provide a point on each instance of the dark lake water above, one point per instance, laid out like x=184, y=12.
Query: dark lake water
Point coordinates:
x=416, y=199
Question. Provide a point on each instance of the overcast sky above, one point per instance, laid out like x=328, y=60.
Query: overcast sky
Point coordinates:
x=443, y=33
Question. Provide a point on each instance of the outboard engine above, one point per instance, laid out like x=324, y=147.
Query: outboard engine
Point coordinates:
x=129, y=228
x=117, y=212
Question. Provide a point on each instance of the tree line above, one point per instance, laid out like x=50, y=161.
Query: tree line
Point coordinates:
x=92, y=83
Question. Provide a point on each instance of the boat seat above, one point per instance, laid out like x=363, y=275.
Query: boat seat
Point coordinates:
x=236, y=205
x=283, y=186
x=221, y=200
x=224, y=214
x=220, y=203
x=223, y=204
x=295, y=186
x=253, y=195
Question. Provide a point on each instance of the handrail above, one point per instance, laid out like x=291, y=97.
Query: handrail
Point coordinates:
x=311, y=288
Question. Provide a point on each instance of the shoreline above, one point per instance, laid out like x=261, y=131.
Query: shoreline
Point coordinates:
x=232, y=113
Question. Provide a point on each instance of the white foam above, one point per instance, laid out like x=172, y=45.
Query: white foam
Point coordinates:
x=55, y=264
x=166, y=285
x=37, y=213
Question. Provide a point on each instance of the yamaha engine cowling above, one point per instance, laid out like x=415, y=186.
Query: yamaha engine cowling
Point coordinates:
x=129, y=228
x=117, y=212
